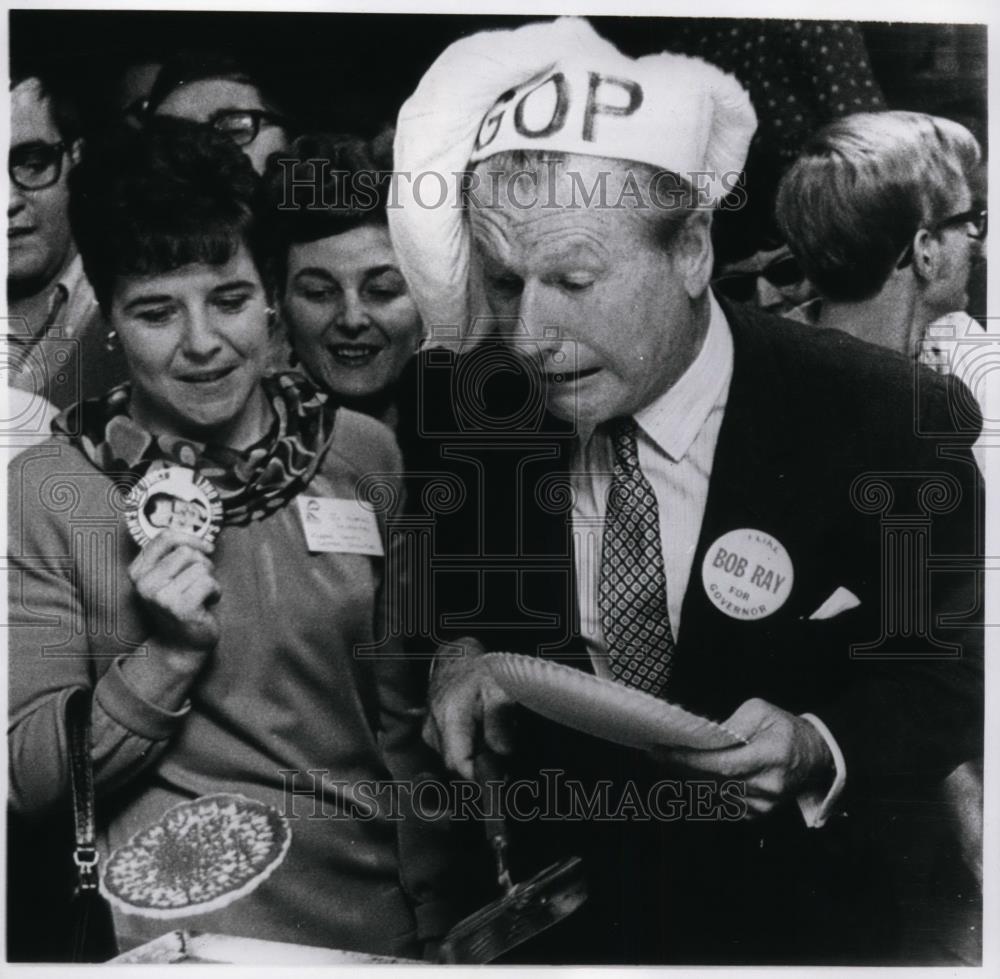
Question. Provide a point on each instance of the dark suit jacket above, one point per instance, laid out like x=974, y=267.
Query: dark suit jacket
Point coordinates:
x=860, y=467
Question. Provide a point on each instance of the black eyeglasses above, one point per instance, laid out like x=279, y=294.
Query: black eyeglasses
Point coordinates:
x=242, y=126
x=977, y=217
x=35, y=166
x=742, y=286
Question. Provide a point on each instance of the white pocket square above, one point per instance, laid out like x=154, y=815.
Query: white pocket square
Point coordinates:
x=840, y=601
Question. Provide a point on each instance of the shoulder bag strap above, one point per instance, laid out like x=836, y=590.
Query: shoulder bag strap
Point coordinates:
x=82, y=779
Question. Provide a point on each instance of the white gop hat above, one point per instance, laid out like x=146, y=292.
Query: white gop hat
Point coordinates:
x=555, y=86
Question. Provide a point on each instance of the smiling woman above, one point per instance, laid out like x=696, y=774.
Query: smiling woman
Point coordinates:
x=348, y=311
x=219, y=650
x=181, y=285
x=196, y=344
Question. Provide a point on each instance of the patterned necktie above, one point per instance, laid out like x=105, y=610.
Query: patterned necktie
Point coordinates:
x=633, y=590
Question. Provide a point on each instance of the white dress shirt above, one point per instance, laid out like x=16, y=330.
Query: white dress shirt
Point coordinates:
x=677, y=435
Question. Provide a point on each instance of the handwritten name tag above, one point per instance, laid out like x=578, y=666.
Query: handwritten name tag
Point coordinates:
x=339, y=526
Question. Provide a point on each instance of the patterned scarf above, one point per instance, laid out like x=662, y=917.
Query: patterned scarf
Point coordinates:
x=252, y=482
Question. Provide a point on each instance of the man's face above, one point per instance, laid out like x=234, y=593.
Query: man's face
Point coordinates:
x=958, y=250
x=39, y=241
x=614, y=318
x=771, y=278
x=209, y=98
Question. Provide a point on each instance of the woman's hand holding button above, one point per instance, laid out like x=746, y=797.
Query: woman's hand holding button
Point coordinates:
x=174, y=579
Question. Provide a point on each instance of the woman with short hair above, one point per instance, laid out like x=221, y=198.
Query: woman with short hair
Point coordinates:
x=258, y=664
x=346, y=307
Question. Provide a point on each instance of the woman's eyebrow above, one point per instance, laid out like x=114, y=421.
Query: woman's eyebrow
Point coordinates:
x=234, y=284
x=381, y=270
x=147, y=300
x=315, y=270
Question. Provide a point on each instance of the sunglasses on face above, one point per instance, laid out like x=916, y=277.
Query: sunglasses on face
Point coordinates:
x=35, y=166
x=742, y=286
x=242, y=126
x=977, y=217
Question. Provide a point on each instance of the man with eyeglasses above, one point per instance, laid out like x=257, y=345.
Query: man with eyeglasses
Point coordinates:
x=879, y=211
x=770, y=278
x=56, y=334
x=225, y=93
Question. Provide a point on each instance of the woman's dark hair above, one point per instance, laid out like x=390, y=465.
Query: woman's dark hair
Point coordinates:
x=172, y=194
x=327, y=184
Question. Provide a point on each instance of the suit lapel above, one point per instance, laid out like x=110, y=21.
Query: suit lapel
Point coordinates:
x=750, y=483
x=547, y=525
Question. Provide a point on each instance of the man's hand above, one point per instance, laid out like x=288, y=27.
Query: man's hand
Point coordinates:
x=783, y=756
x=467, y=709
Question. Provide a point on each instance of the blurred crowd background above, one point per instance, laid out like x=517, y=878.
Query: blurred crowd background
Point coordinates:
x=350, y=73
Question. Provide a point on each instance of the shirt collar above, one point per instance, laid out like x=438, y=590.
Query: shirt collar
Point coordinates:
x=72, y=301
x=674, y=419
x=72, y=277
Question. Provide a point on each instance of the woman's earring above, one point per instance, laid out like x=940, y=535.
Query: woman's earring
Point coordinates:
x=272, y=318
x=111, y=341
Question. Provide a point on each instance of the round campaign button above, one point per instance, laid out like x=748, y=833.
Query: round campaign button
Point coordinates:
x=747, y=574
x=173, y=496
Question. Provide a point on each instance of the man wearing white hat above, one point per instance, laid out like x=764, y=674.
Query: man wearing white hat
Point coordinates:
x=721, y=545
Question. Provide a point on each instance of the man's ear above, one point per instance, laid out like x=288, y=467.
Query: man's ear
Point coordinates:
x=693, y=253
x=926, y=255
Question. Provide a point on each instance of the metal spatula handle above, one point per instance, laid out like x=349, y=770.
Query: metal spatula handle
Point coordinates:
x=488, y=767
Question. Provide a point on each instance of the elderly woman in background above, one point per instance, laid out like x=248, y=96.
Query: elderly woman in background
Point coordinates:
x=226, y=93
x=226, y=667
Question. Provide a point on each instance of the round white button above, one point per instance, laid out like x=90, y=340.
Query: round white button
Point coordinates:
x=747, y=574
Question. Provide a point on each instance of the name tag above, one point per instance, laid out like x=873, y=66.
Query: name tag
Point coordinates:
x=339, y=526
